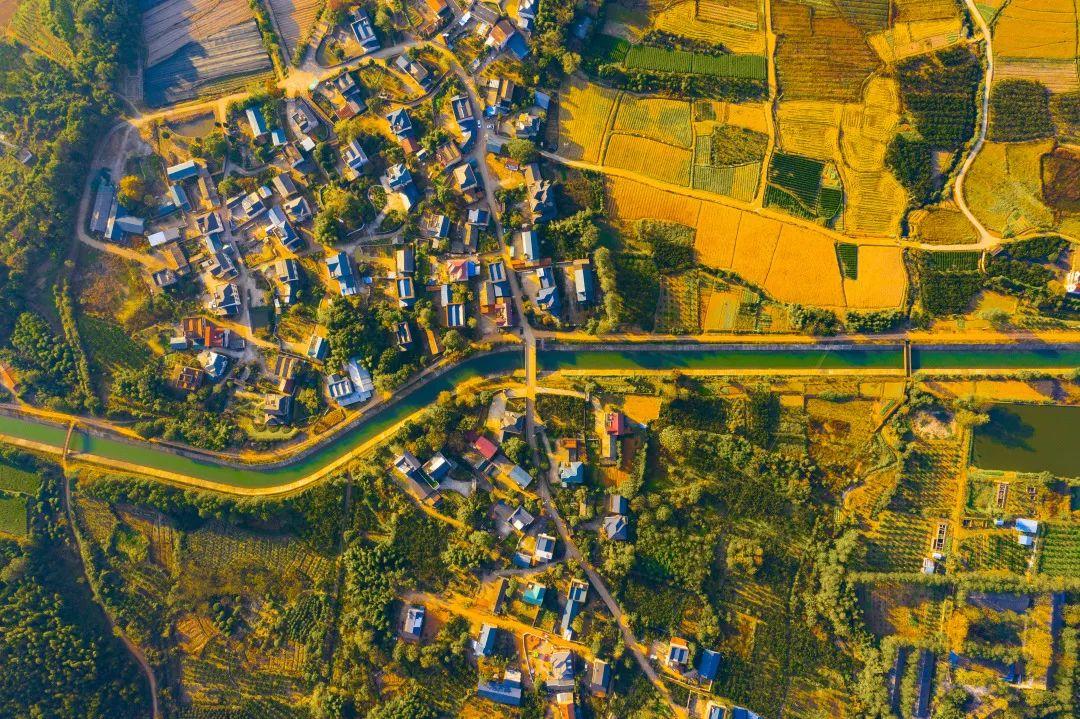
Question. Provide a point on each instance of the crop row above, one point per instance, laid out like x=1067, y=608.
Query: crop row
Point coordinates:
x=743, y=67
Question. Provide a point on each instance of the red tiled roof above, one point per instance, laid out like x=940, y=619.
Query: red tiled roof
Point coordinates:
x=486, y=447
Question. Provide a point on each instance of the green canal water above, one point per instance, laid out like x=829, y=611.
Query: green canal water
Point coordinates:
x=798, y=357
x=1030, y=438
x=643, y=358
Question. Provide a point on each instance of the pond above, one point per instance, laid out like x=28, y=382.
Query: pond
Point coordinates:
x=1029, y=438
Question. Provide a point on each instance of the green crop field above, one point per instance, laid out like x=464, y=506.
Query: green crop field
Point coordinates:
x=1060, y=551
x=848, y=254
x=798, y=175
x=662, y=59
x=110, y=345
x=953, y=261
x=14, y=479
x=13, y=514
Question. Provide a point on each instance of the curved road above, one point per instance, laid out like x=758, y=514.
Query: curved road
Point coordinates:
x=986, y=239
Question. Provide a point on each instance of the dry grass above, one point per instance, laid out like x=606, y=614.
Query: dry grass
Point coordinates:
x=650, y=158
x=881, y=282
x=584, y=110
x=641, y=408
x=1043, y=29
x=7, y=11
x=1004, y=187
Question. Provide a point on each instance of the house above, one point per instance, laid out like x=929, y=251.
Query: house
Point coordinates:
x=571, y=473
x=617, y=504
x=462, y=270
x=575, y=600
x=503, y=691
x=126, y=225
x=178, y=199
x=583, y=284
x=209, y=224
x=406, y=292
x=526, y=125
x=599, y=678
x=545, y=548
x=455, y=314
x=278, y=138
x=463, y=112
x=201, y=332
x=398, y=177
x=182, y=171
x=499, y=94
x=435, y=227
x=404, y=335
x=678, y=653
x=341, y=269
x=530, y=246
x=541, y=200
x=715, y=711
x=400, y=123
x=565, y=706
x=317, y=347
x=527, y=13
x=519, y=476
x=225, y=301
x=743, y=713
x=188, y=379
x=157, y=239
x=302, y=117
x=924, y=686
x=479, y=216
x=471, y=239
x=256, y=123
x=616, y=528
x=287, y=271
x=276, y=408
x=352, y=387
x=415, y=70
x=285, y=186
x=709, y=665
x=276, y=218
x=213, y=363
x=487, y=449
x=414, y=622
x=504, y=36
x=164, y=278
x=405, y=260
x=534, y=594
x=105, y=207
x=447, y=155
x=354, y=155
x=485, y=645
x=439, y=8
x=520, y=519
x=285, y=368
x=561, y=677
x=570, y=449
x=174, y=258
x=616, y=424
x=364, y=32
x=466, y=180
x=409, y=468
x=438, y=467
x=297, y=209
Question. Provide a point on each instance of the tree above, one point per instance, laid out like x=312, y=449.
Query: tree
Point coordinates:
x=404, y=706
x=132, y=192
x=454, y=342
x=522, y=151
x=744, y=555
x=516, y=450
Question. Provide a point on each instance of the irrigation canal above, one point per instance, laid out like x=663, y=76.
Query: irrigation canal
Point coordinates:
x=836, y=358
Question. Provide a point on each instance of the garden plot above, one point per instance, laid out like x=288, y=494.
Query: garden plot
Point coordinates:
x=234, y=53
x=294, y=19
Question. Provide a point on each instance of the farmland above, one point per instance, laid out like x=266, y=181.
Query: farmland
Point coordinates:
x=735, y=24
x=650, y=158
x=12, y=514
x=1060, y=553
x=744, y=67
x=30, y=23
x=584, y=113
x=658, y=119
x=295, y=19
x=1004, y=187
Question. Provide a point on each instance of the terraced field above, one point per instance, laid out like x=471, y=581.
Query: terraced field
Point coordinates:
x=233, y=54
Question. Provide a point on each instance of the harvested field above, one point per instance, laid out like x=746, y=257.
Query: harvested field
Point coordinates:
x=650, y=158
x=584, y=112
x=915, y=10
x=236, y=52
x=1042, y=29
x=735, y=24
x=1058, y=75
x=169, y=25
x=666, y=121
x=755, y=246
x=714, y=242
x=750, y=116
x=906, y=39
x=1004, y=187
x=295, y=20
x=819, y=57
x=810, y=127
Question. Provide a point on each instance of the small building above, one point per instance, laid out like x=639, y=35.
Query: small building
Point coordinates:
x=520, y=519
x=287, y=271
x=575, y=600
x=285, y=186
x=545, y=548
x=126, y=225
x=209, y=224
x=709, y=665
x=276, y=409
x=414, y=622
x=583, y=284
x=438, y=467
x=406, y=292
x=405, y=260
x=403, y=333
x=519, y=476
x=479, y=216
x=417, y=482
x=182, y=171
x=561, y=678
x=214, y=364
x=157, y=239
x=565, y=705
x=447, y=155
x=615, y=423
x=455, y=315
x=616, y=528
x=534, y=594
x=352, y=387
x=678, y=653
x=617, y=504
x=354, y=155
x=487, y=449
x=462, y=270
x=256, y=123
x=503, y=691
x=715, y=711
x=225, y=301
x=364, y=32
x=600, y=678
x=462, y=108
x=317, y=347
x=188, y=379
x=298, y=209
x=484, y=646
x=466, y=180
x=341, y=269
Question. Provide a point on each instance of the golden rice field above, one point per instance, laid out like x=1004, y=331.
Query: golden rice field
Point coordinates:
x=810, y=128
x=653, y=159
x=584, y=110
x=667, y=121
x=1042, y=29
x=1004, y=187
x=944, y=225
x=914, y=10
x=792, y=262
x=736, y=24
x=906, y=39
